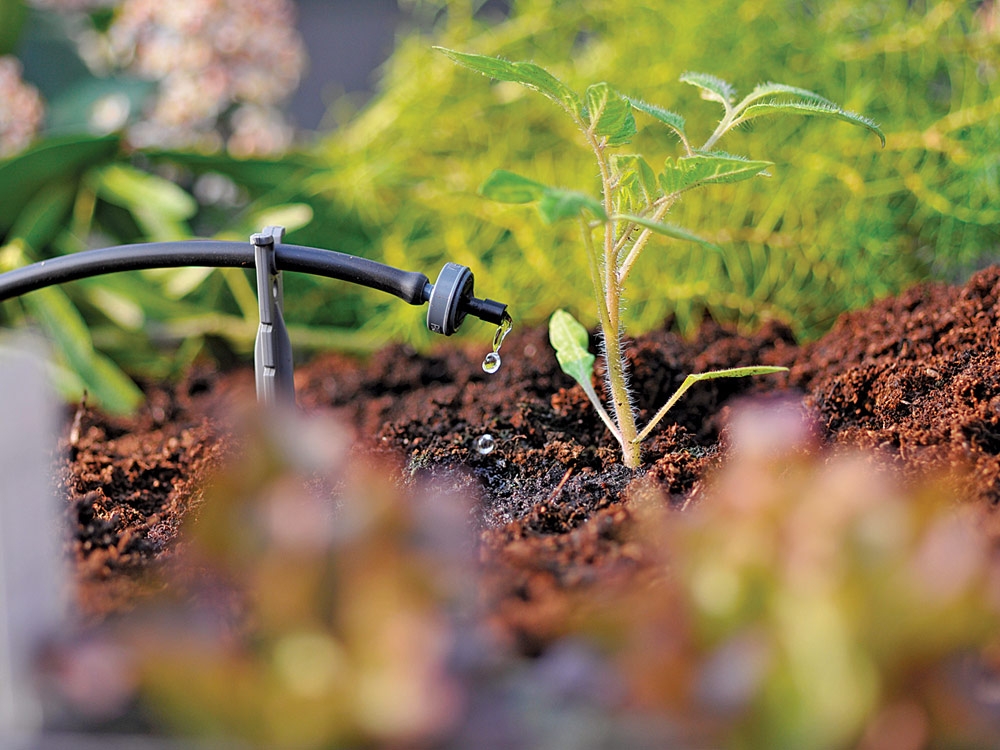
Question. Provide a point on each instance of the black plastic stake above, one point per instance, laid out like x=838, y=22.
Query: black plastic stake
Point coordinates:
x=272, y=354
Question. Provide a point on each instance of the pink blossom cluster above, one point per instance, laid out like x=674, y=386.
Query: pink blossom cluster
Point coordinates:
x=21, y=108
x=223, y=67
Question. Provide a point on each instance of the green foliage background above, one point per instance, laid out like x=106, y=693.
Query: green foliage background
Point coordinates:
x=841, y=222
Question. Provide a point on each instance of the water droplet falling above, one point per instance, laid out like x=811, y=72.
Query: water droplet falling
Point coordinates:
x=492, y=361
x=485, y=444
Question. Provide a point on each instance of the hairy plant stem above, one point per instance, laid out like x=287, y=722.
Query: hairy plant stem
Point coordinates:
x=608, y=290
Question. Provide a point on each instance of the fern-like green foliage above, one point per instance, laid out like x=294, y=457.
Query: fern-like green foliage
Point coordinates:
x=840, y=222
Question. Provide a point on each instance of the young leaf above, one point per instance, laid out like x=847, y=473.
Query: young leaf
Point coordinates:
x=636, y=179
x=525, y=73
x=553, y=203
x=690, y=380
x=813, y=109
x=669, y=230
x=570, y=340
x=705, y=169
x=610, y=114
x=508, y=187
x=770, y=88
x=557, y=203
x=671, y=119
x=712, y=88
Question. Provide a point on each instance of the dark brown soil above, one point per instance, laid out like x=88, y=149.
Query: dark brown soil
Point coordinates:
x=913, y=379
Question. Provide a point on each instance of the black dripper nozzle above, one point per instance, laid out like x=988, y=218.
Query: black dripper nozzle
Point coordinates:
x=452, y=297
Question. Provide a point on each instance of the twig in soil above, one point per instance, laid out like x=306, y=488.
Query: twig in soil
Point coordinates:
x=74, y=432
x=562, y=483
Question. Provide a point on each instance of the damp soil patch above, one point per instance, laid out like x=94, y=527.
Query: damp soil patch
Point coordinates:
x=913, y=380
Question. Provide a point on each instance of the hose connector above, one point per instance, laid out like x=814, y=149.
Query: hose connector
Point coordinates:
x=452, y=297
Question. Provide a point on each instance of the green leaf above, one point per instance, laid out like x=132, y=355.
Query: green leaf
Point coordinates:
x=571, y=341
x=557, y=204
x=637, y=185
x=43, y=218
x=56, y=159
x=111, y=387
x=553, y=203
x=812, y=109
x=735, y=372
x=704, y=169
x=690, y=380
x=671, y=119
x=770, y=88
x=712, y=88
x=669, y=230
x=508, y=187
x=159, y=206
x=610, y=114
x=525, y=73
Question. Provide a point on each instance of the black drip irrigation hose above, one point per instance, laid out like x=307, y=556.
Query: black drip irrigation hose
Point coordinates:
x=412, y=287
x=451, y=298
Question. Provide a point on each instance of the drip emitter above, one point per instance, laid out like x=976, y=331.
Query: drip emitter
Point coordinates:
x=450, y=299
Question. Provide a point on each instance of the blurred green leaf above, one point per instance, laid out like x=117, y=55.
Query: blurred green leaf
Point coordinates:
x=524, y=73
x=22, y=176
x=63, y=324
x=553, y=203
x=558, y=204
x=508, y=187
x=159, y=206
x=44, y=217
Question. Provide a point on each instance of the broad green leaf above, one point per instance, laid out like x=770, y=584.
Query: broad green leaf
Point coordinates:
x=44, y=217
x=811, y=109
x=557, y=204
x=671, y=119
x=22, y=176
x=508, y=187
x=669, y=230
x=159, y=206
x=704, y=169
x=712, y=88
x=132, y=188
x=111, y=387
x=524, y=73
x=610, y=114
x=571, y=341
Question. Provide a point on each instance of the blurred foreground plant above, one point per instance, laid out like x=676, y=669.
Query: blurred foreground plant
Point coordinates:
x=811, y=600
x=808, y=600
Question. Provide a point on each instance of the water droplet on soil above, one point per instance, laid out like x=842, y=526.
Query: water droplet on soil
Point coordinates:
x=491, y=363
x=485, y=443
